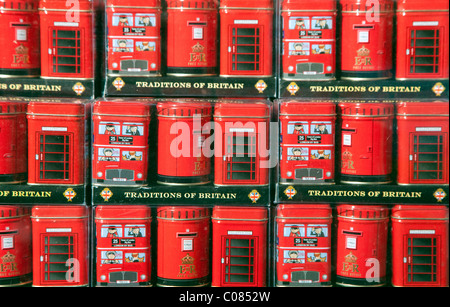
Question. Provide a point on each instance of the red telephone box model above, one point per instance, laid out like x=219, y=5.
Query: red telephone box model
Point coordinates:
x=13, y=142
x=56, y=142
x=19, y=55
x=241, y=142
x=366, y=40
x=183, y=246
x=66, y=39
x=419, y=246
x=60, y=246
x=422, y=138
x=134, y=37
x=191, y=37
x=361, y=245
x=309, y=39
x=239, y=247
x=15, y=246
x=307, y=145
x=123, y=245
x=120, y=144
x=246, y=38
x=422, y=39
x=366, y=146
x=181, y=135
x=303, y=245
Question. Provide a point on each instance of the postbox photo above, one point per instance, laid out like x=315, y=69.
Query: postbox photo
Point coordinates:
x=366, y=40
x=246, y=38
x=309, y=39
x=183, y=240
x=56, y=142
x=419, y=246
x=422, y=142
x=241, y=142
x=60, y=246
x=183, y=128
x=303, y=250
x=123, y=246
x=120, y=142
x=19, y=55
x=422, y=40
x=367, y=141
x=192, y=37
x=13, y=142
x=239, y=247
x=134, y=37
x=307, y=142
x=15, y=246
x=361, y=245
x=66, y=38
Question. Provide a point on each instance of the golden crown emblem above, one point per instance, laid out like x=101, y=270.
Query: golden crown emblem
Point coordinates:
x=187, y=259
x=197, y=48
x=363, y=51
x=21, y=49
x=350, y=258
x=8, y=257
x=347, y=155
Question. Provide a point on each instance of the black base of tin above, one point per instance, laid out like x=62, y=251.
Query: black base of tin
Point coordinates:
x=359, y=282
x=172, y=180
x=353, y=179
x=366, y=75
x=198, y=282
x=13, y=178
x=13, y=73
x=16, y=281
x=191, y=71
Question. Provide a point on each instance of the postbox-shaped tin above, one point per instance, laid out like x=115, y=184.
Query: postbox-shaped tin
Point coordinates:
x=66, y=34
x=366, y=145
x=60, y=246
x=183, y=246
x=241, y=142
x=366, y=40
x=123, y=245
x=309, y=39
x=120, y=143
x=192, y=37
x=419, y=246
x=303, y=241
x=56, y=142
x=422, y=40
x=15, y=246
x=13, y=143
x=361, y=247
x=307, y=142
x=422, y=138
x=134, y=37
x=182, y=131
x=239, y=246
x=246, y=38
x=19, y=55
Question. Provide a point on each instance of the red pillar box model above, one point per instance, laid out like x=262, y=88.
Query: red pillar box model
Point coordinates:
x=366, y=145
x=303, y=245
x=239, y=247
x=15, y=246
x=60, y=246
x=66, y=39
x=19, y=55
x=307, y=142
x=120, y=144
x=246, y=38
x=13, y=142
x=366, y=40
x=422, y=138
x=182, y=131
x=192, y=37
x=134, y=37
x=123, y=245
x=241, y=142
x=183, y=246
x=361, y=250
x=56, y=143
x=309, y=39
x=419, y=246
x=422, y=39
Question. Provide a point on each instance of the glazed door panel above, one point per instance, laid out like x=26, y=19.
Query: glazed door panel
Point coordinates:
x=239, y=260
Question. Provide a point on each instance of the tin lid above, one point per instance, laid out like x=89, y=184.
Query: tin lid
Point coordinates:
x=248, y=108
x=422, y=6
x=63, y=109
x=419, y=212
x=184, y=108
x=7, y=211
x=56, y=211
x=435, y=108
x=239, y=213
x=192, y=4
x=183, y=213
x=8, y=108
x=304, y=211
x=295, y=107
x=366, y=109
x=310, y=5
x=135, y=4
x=247, y=4
x=121, y=107
x=358, y=6
x=64, y=5
x=129, y=212
x=366, y=212
x=19, y=5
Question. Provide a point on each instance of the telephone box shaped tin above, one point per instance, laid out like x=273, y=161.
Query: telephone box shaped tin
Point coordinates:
x=423, y=140
x=123, y=245
x=309, y=39
x=134, y=37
